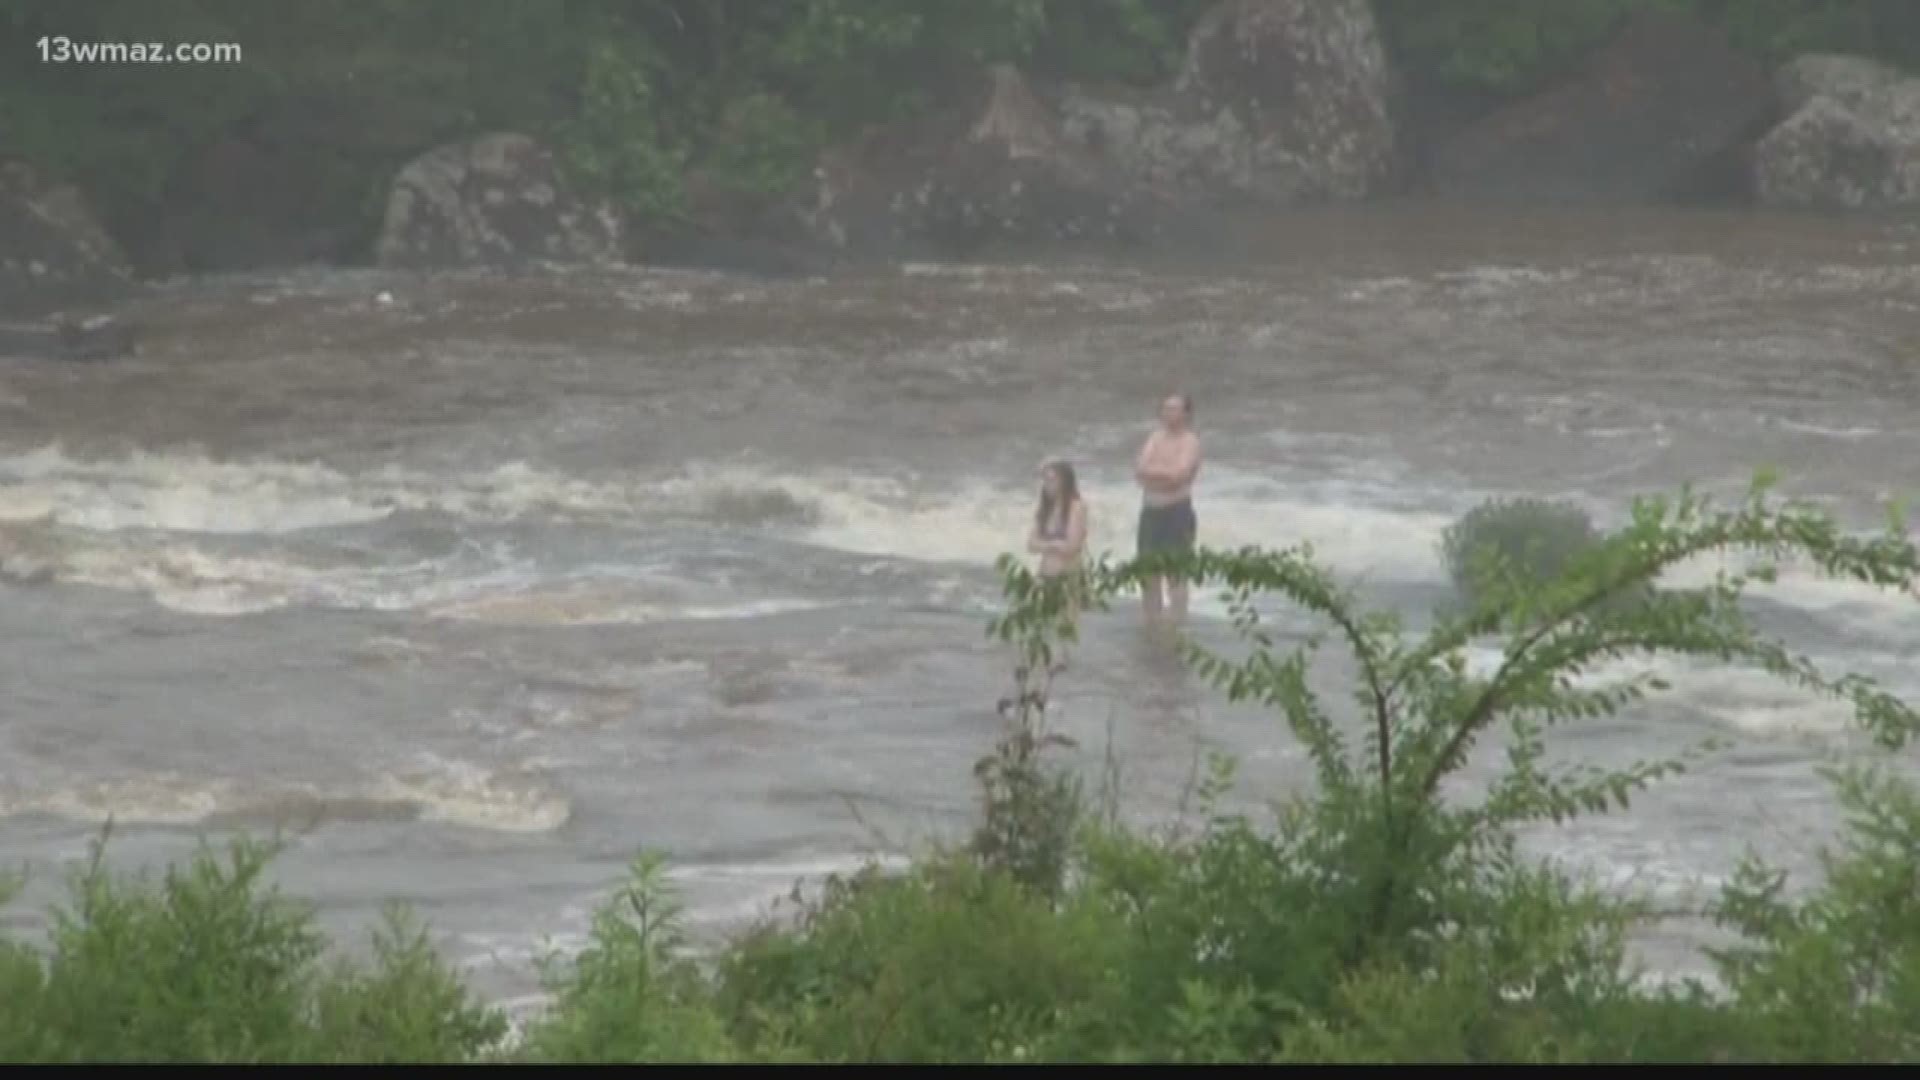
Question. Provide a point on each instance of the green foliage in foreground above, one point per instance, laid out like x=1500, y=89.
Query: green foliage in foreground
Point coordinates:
x=207, y=965
x=1368, y=918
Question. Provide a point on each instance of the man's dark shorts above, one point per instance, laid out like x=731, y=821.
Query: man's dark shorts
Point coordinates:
x=1167, y=528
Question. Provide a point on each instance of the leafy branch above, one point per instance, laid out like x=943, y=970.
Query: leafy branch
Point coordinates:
x=1423, y=710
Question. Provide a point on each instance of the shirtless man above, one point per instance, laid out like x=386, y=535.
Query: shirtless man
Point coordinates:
x=1165, y=470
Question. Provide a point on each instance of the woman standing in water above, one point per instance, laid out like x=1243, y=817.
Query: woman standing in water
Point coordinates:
x=1059, y=533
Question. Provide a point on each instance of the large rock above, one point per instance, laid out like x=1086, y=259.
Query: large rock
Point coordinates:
x=997, y=170
x=1662, y=111
x=1279, y=102
x=497, y=200
x=53, y=250
x=1852, y=142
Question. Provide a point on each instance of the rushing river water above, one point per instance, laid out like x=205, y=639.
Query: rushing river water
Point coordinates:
x=487, y=588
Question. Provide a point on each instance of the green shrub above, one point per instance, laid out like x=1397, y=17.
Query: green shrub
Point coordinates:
x=1030, y=808
x=1401, y=887
x=207, y=966
x=1514, y=543
x=204, y=967
x=408, y=1007
x=21, y=987
x=1835, y=975
x=632, y=995
x=762, y=147
x=950, y=961
x=617, y=145
x=1504, y=46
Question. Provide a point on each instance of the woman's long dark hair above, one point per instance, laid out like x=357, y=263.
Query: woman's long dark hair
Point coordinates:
x=1069, y=494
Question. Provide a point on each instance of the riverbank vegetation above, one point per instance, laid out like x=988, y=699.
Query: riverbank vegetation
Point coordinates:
x=1383, y=913
x=658, y=104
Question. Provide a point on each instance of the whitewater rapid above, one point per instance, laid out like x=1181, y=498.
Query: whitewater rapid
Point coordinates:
x=482, y=591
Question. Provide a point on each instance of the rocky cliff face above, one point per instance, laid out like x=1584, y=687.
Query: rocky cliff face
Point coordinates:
x=1851, y=141
x=1279, y=102
x=495, y=200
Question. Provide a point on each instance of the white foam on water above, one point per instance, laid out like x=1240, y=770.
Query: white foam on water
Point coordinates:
x=107, y=511
x=1742, y=697
x=536, y=713
x=920, y=269
x=1853, y=603
x=602, y=602
x=160, y=799
x=1018, y=273
x=1370, y=288
x=976, y=522
x=94, y=523
x=785, y=871
x=931, y=520
x=191, y=493
x=188, y=577
x=1846, y=434
x=1497, y=280
x=618, y=675
x=1738, y=696
x=197, y=582
x=1630, y=866
x=437, y=789
x=177, y=493
x=461, y=793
